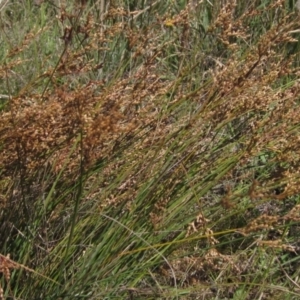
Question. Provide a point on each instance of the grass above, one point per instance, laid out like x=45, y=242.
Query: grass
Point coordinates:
x=149, y=150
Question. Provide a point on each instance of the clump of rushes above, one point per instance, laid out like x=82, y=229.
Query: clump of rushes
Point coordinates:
x=149, y=151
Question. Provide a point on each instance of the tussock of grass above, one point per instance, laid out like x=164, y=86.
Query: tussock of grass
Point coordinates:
x=149, y=150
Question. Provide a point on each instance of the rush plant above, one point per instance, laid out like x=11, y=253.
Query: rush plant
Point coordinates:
x=149, y=149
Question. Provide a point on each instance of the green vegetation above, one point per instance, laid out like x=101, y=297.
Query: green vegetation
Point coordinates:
x=149, y=149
